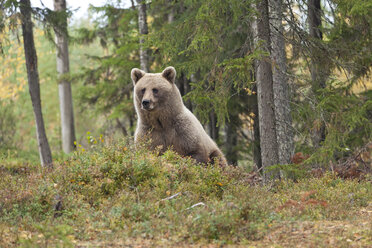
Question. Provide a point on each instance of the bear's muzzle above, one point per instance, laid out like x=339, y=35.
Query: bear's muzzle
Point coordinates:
x=146, y=104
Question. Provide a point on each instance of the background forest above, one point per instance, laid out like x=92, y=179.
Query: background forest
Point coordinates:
x=283, y=87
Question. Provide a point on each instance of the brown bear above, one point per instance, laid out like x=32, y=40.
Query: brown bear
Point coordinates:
x=164, y=119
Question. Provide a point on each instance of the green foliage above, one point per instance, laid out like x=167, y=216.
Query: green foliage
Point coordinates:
x=7, y=128
x=351, y=35
x=199, y=43
x=201, y=51
x=211, y=45
x=348, y=122
x=108, y=85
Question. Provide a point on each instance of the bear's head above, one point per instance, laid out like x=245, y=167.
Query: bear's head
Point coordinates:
x=153, y=90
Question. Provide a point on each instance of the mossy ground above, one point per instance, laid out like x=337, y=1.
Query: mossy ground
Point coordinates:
x=115, y=195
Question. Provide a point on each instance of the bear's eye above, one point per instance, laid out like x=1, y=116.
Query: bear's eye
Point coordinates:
x=155, y=91
x=143, y=90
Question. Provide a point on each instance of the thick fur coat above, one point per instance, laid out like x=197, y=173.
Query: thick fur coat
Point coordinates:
x=163, y=118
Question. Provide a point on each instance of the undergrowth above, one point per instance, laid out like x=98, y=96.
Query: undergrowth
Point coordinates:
x=116, y=191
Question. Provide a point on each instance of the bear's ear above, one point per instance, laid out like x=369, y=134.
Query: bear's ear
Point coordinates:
x=136, y=75
x=169, y=74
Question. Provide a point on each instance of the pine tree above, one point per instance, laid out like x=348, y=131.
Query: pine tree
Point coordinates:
x=108, y=86
x=208, y=41
x=317, y=67
x=280, y=84
x=265, y=94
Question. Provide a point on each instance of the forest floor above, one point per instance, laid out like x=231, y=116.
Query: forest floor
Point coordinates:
x=115, y=196
x=355, y=233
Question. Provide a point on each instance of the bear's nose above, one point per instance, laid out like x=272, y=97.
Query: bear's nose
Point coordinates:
x=146, y=103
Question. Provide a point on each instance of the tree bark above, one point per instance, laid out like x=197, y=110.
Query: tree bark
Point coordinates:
x=231, y=140
x=314, y=19
x=183, y=85
x=283, y=117
x=251, y=40
x=143, y=30
x=33, y=83
x=269, y=145
x=256, y=132
x=122, y=127
x=171, y=12
x=317, y=67
x=64, y=86
x=213, y=128
x=133, y=5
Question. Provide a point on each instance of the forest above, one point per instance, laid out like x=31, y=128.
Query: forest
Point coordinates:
x=283, y=87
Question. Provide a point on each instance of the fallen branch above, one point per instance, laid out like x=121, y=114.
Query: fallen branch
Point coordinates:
x=171, y=197
x=195, y=205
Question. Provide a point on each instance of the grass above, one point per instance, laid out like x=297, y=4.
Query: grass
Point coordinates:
x=116, y=195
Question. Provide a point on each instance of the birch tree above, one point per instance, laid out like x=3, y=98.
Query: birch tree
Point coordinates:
x=64, y=86
x=143, y=30
x=33, y=82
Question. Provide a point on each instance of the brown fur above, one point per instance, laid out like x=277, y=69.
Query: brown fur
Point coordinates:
x=165, y=119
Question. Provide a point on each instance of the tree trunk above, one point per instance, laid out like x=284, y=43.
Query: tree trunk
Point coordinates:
x=131, y=124
x=213, y=128
x=122, y=127
x=64, y=86
x=183, y=85
x=283, y=117
x=314, y=19
x=33, y=83
x=187, y=86
x=256, y=133
x=231, y=140
x=171, y=12
x=251, y=39
x=317, y=67
x=269, y=145
x=143, y=30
